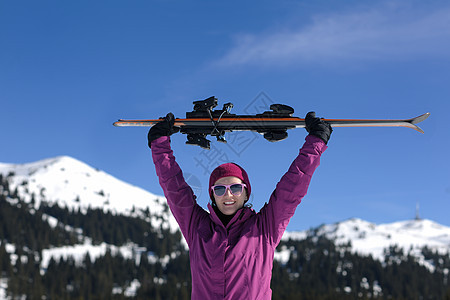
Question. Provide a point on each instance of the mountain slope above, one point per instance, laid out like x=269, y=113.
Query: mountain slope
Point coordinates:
x=371, y=239
x=66, y=222
x=75, y=185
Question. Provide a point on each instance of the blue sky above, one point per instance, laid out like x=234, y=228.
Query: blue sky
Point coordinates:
x=69, y=69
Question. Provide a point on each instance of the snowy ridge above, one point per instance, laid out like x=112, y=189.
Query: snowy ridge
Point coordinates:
x=75, y=185
x=370, y=239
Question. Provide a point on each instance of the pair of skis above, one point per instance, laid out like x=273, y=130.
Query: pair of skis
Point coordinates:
x=273, y=124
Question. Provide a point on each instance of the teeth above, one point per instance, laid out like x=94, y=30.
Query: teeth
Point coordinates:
x=229, y=203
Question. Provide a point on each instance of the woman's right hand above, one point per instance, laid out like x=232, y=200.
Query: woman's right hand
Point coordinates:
x=163, y=128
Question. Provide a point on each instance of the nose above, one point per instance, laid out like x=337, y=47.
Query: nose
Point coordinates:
x=228, y=192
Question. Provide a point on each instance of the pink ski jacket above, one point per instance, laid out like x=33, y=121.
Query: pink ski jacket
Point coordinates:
x=234, y=262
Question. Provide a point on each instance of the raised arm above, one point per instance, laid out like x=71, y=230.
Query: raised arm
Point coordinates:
x=294, y=184
x=178, y=193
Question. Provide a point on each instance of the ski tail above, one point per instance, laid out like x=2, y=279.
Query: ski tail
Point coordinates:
x=409, y=123
x=416, y=120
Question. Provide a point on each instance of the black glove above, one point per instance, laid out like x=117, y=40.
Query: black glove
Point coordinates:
x=163, y=128
x=318, y=127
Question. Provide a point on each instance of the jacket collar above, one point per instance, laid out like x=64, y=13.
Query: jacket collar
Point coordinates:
x=241, y=216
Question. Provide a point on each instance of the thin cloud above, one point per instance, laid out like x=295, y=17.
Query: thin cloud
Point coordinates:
x=379, y=34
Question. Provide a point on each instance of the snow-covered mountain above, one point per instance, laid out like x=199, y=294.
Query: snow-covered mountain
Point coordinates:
x=75, y=185
x=371, y=239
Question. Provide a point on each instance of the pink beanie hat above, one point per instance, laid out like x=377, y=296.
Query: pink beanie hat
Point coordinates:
x=229, y=169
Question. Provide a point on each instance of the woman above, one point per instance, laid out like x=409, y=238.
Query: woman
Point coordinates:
x=231, y=246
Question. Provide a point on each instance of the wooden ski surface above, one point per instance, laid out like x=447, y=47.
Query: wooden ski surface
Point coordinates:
x=253, y=123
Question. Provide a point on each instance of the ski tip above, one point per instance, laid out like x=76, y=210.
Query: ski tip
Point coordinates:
x=120, y=123
x=418, y=119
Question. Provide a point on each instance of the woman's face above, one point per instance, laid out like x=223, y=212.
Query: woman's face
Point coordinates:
x=229, y=204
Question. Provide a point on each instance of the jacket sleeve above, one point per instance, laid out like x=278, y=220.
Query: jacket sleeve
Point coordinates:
x=291, y=189
x=179, y=195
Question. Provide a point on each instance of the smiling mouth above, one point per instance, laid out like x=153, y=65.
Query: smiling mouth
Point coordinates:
x=229, y=202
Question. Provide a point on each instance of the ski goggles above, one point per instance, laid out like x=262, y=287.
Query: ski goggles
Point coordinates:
x=235, y=189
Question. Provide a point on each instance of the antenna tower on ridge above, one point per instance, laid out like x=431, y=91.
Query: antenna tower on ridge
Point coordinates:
x=417, y=218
